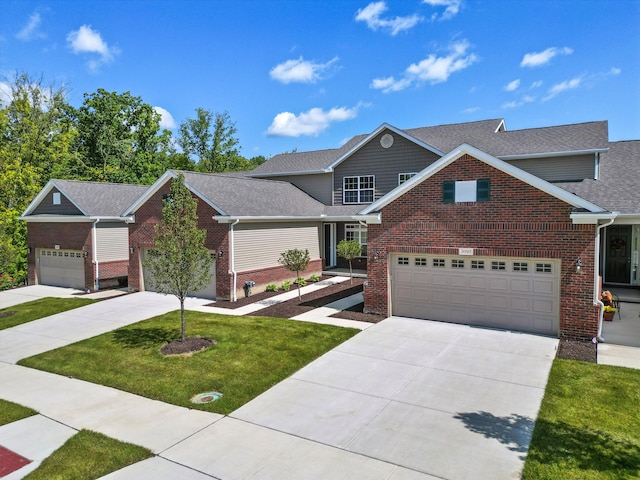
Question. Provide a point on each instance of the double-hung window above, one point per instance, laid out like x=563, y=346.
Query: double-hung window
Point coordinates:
x=358, y=189
x=357, y=232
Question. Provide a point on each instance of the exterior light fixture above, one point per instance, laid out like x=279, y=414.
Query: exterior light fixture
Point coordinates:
x=376, y=256
x=220, y=253
x=28, y=249
x=85, y=254
x=579, y=265
x=131, y=250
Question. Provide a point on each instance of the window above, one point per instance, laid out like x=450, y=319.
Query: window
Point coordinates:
x=438, y=262
x=520, y=266
x=357, y=232
x=457, y=263
x=465, y=191
x=358, y=189
x=56, y=198
x=421, y=262
x=477, y=264
x=543, y=268
x=403, y=177
x=403, y=260
x=498, y=265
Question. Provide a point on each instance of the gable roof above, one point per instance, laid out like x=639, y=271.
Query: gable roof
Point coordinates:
x=93, y=199
x=515, y=172
x=618, y=185
x=240, y=196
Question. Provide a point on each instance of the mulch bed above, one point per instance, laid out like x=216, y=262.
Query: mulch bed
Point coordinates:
x=189, y=345
x=357, y=313
x=577, y=350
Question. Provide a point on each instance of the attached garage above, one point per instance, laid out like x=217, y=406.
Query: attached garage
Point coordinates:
x=500, y=292
x=208, y=292
x=62, y=268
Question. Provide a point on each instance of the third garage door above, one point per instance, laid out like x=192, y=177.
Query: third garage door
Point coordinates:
x=501, y=292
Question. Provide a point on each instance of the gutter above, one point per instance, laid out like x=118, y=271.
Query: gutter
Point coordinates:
x=232, y=260
x=368, y=218
x=596, y=293
x=95, y=255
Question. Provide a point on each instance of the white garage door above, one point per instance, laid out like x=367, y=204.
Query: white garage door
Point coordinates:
x=208, y=292
x=61, y=268
x=502, y=292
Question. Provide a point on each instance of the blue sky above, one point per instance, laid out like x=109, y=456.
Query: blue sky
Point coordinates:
x=309, y=75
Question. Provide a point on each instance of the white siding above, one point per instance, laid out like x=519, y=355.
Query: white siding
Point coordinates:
x=259, y=245
x=112, y=241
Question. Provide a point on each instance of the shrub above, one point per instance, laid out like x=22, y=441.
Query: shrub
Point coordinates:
x=272, y=287
x=314, y=278
x=286, y=285
x=300, y=282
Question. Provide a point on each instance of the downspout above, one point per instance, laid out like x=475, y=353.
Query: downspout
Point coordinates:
x=232, y=260
x=95, y=256
x=596, y=293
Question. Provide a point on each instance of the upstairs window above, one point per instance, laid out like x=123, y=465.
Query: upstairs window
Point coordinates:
x=403, y=177
x=56, y=198
x=465, y=191
x=357, y=232
x=358, y=189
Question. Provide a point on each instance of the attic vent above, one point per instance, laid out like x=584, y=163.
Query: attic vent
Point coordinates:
x=387, y=140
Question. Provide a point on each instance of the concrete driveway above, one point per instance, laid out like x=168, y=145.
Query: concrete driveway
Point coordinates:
x=404, y=399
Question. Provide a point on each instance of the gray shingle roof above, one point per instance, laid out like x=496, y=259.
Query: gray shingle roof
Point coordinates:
x=100, y=199
x=248, y=197
x=486, y=135
x=618, y=186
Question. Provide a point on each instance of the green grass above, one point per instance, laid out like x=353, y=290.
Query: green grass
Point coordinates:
x=11, y=412
x=44, y=307
x=588, y=427
x=86, y=456
x=251, y=355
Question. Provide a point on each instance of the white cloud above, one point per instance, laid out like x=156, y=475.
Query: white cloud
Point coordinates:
x=453, y=7
x=311, y=123
x=87, y=40
x=471, y=110
x=519, y=103
x=372, y=16
x=564, y=86
x=537, y=59
x=300, y=70
x=31, y=30
x=432, y=69
x=166, y=119
x=536, y=84
x=5, y=93
x=511, y=86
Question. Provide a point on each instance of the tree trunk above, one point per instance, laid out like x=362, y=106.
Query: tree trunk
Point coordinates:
x=182, y=318
x=350, y=274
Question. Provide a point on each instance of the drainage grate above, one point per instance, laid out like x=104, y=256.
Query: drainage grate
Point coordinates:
x=206, y=397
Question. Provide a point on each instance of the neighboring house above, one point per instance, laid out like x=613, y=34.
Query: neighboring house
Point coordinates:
x=467, y=223
x=77, y=236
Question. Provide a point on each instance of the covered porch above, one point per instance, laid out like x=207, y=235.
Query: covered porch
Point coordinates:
x=625, y=327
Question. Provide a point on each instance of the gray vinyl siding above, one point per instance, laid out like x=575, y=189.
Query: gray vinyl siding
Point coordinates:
x=259, y=245
x=112, y=241
x=403, y=156
x=46, y=206
x=559, y=169
x=316, y=185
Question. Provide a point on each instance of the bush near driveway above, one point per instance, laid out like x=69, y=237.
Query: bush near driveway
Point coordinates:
x=588, y=427
x=251, y=355
x=43, y=307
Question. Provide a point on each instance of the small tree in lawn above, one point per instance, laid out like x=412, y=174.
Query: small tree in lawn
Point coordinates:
x=349, y=249
x=181, y=263
x=296, y=261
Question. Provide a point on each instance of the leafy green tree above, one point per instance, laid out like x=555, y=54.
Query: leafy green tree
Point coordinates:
x=349, y=250
x=119, y=138
x=210, y=141
x=295, y=260
x=182, y=262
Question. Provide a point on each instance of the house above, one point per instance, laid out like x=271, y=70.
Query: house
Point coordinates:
x=468, y=223
x=77, y=236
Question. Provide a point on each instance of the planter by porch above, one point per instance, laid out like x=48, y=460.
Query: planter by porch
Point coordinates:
x=608, y=316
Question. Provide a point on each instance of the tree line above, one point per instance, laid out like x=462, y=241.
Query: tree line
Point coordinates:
x=112, y=137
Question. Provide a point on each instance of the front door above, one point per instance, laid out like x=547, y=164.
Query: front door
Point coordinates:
x=330, y=244
x=618, y=254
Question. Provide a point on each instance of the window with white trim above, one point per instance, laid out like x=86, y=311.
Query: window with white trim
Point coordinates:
x=420, y=262
x=520, y=267
x=358, y=189
x=403, y=177
x=56, y=198
x=477, y=264
x=357, y=232
x=544, y=268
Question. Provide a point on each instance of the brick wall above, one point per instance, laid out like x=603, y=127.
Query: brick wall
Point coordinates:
x=277, y=275
x=518, y=220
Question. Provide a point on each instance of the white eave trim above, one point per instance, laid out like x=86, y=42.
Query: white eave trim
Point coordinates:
x=73, y=219
x=505, y=167
x=371, y=218
x=590, y=218
x=553, y=154
x=368, y=138
x=51, y=184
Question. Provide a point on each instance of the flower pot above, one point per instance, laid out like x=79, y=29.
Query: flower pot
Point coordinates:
x=608, y=316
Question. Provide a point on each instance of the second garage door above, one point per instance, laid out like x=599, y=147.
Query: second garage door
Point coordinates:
x=502, y=292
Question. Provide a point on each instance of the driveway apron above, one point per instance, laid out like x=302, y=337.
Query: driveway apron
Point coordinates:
x=414, y=398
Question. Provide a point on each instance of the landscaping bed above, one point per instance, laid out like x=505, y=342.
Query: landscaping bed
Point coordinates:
x=577, y=350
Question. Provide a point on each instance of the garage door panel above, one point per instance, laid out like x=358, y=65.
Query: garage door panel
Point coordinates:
x=61, y=268
x=507, y=297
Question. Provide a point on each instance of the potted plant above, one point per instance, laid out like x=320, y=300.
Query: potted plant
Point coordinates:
x=609, y=313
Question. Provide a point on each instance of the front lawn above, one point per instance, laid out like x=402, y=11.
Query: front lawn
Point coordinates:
x=589, y=424
x=12, y=412
x=251, y=355
x=44, y=307
x=86, y=456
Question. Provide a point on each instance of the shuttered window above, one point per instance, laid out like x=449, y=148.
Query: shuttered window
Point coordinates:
x=466, y=191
